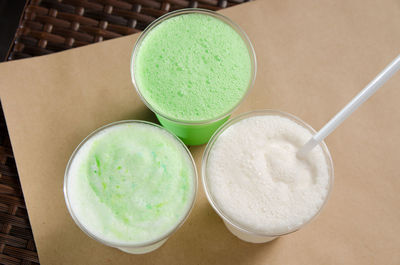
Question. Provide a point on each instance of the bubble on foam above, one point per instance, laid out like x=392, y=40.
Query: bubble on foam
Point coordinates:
x=257, y=180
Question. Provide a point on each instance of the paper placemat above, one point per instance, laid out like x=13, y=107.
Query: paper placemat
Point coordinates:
x=313, y=57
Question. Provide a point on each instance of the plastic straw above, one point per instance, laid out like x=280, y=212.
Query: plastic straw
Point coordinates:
x=361, y=97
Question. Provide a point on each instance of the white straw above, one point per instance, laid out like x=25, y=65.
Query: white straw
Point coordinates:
x=361, y=97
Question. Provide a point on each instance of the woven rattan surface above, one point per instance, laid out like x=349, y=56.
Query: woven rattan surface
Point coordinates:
x=50, y=26
x=54, y=25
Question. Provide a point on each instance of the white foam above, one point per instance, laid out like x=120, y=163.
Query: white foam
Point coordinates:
x=257, y=180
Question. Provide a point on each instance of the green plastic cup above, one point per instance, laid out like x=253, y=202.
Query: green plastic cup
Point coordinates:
x=194, y=131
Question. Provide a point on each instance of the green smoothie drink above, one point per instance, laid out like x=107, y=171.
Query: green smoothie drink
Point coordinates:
x=130, y=184
x=192, y=68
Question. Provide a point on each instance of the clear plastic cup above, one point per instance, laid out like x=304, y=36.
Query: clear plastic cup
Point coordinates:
x=194, y=132
x=134, y=248
x=245, y=233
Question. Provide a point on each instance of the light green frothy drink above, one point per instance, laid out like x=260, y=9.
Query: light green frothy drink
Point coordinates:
x=193, y=68
x=131, y=183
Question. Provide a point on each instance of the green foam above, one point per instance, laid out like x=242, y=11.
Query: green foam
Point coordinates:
x=193, y=67
x=136, y=182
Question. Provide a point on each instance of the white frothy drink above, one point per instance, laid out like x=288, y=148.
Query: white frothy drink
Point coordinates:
x=256, y=180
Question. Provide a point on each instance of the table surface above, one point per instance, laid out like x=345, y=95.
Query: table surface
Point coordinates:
x=50, y=26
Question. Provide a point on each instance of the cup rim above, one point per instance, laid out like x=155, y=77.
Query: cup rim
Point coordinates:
x=127, y=244
x=219, y=16
x=243, y=116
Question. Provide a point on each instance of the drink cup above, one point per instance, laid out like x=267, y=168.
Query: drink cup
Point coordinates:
x=192, y=68
x=130, y=185
x=255, y=181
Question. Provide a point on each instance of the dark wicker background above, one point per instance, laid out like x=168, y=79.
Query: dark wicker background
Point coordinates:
x=50, y=26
